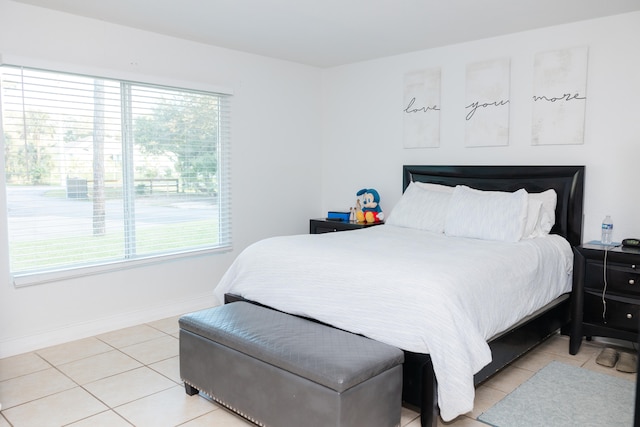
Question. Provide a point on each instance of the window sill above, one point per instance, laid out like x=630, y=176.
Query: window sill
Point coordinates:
x=32, y=279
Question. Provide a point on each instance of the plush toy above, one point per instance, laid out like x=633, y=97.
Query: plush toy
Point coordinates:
x=370, y=210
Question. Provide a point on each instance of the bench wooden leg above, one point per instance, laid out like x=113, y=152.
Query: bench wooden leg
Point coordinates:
x=190, y=389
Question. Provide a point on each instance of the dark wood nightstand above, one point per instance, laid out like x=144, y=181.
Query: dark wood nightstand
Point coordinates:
x=612, y=276
x=323, y=225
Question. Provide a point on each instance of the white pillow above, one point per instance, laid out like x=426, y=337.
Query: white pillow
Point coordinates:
x=533, y=217
x=489, y=215
x=420, y=209
x=547, y=217
x=434, y=187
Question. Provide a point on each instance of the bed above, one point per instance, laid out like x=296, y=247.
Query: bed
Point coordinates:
x=454, y=337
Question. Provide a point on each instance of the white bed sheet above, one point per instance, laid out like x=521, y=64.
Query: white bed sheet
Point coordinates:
x=416, y=290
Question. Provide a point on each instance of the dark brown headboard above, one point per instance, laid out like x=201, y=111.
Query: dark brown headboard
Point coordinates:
x=567, y=181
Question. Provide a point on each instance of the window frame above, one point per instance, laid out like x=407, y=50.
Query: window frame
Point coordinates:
x=52, y=274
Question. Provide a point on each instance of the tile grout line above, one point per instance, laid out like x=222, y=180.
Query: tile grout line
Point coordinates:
x=80, y=386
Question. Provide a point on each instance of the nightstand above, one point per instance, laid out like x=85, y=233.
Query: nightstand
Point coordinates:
x=612, y=276
x=323, y=225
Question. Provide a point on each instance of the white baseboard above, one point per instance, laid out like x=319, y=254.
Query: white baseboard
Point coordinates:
x=24, y=344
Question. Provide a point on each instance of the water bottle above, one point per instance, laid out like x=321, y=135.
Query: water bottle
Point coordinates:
x=607, y=230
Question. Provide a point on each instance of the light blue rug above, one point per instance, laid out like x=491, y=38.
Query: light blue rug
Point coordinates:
x=560, y=395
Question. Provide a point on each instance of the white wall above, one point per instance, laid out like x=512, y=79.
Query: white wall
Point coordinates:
x=362, y=129
x=274, y=155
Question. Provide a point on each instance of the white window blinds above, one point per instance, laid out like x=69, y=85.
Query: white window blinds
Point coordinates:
x=100, y=171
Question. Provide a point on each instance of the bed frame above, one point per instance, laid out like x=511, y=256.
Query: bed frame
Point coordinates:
x=419, y=382
x=420, y=386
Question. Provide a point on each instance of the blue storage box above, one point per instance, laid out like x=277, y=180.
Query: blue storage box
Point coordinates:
x=338, y=216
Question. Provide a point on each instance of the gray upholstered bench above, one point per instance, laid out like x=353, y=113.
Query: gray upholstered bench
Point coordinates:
x=280, y=370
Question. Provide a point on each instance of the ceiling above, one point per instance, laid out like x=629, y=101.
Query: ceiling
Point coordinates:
x=327, y=33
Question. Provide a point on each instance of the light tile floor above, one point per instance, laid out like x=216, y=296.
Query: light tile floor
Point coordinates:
x=131, y=377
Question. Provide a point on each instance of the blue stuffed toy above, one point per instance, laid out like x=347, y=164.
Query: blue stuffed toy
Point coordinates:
x=370, y=211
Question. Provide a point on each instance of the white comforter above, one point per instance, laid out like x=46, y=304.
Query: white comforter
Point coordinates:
x=415, y=290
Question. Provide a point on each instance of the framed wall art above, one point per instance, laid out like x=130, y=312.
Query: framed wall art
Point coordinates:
x=559, y=96
x=421, y=109
x=487, y=103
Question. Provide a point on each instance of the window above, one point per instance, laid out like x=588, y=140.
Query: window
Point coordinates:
x=101, y=171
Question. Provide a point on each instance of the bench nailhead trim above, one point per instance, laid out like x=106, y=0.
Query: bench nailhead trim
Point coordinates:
x=226, y=405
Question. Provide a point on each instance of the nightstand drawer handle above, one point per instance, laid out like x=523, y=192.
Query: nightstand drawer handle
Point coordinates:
x=632, y=282
x=629, y=316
